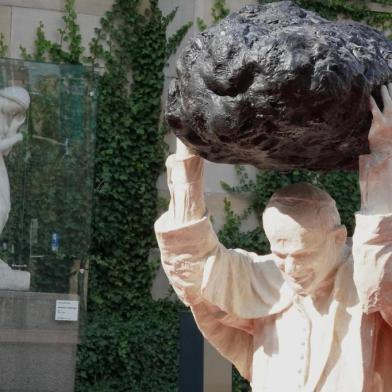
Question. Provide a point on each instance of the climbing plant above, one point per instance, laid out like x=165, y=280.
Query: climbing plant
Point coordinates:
x=130, y=342
x=67, y=50
x=132, y=46
x=3, y=46
x=218, y=12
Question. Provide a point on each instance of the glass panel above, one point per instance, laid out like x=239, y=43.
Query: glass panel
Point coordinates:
x=51, y=175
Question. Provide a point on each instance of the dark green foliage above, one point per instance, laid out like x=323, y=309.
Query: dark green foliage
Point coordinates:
x=138, y=354
x=130, y=152
x=3, y=46
x=219, y=10
x=130, y=342
x=68, y=50
x=201, y=25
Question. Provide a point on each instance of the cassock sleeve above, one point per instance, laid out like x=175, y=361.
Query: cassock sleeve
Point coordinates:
x=372, y=241
x=225, y=289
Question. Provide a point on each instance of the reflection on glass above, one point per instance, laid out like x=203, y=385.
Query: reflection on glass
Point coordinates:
x=51, y=175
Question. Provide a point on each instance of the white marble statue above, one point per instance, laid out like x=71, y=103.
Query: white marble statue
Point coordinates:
x=14, y=102
x=314, y=315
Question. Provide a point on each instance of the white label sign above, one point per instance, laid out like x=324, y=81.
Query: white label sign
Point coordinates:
x=67, y=310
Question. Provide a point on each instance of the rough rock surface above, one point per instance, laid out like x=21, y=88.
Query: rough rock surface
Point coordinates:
x=279, y=87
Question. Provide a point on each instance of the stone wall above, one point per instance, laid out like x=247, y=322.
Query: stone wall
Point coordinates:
x=38, y=354
x=19, y=20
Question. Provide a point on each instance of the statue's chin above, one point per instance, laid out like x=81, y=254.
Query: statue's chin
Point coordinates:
x=304, y=285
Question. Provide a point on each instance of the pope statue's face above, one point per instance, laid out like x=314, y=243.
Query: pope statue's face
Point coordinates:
x=307, y=255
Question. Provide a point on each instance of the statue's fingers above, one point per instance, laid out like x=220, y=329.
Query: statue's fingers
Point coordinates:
x=386, y=98
x=376, y=112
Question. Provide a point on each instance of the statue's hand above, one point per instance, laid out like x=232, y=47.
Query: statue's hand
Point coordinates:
x=380, y=134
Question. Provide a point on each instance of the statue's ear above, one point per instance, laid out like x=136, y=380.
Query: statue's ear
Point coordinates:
x=340, y=234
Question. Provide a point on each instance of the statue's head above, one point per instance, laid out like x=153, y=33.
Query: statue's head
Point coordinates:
x=303, y=227
x=14, y=103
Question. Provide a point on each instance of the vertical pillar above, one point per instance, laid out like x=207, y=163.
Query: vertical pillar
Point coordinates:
x=217, y=371
x=202, y=368
x=191, y=355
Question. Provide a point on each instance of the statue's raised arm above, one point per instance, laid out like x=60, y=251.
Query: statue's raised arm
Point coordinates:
x=373, y=235
x=224, y=287
x=14, y=103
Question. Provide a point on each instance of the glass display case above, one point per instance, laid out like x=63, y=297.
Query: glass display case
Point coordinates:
x=51, y=175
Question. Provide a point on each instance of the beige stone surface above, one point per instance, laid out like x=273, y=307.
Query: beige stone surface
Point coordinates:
x=26, y=20
x=217, y=371
x=235, y=5
x=185, y=14
x=91, y=7
x=160, y=287
x=57, y=5
x=203, y=11
x=215, y=206
x=214, y=172
x=379, y=7
x=38, y=353
x=203, y=8
x=5, y=24
x=24, y=25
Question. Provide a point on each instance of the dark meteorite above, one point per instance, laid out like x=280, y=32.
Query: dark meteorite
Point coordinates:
x=280, y=87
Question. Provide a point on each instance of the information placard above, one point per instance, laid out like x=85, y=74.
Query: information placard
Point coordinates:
x=67, y=310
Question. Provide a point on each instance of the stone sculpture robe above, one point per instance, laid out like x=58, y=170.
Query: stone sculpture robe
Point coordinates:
x=278, y=340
